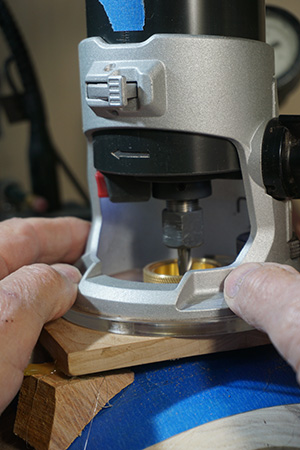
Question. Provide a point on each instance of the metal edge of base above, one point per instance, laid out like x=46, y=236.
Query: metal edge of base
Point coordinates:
x=230, y=324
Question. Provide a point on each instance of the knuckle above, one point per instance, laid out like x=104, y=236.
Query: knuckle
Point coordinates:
x=42, y=274
x=38, y=290
x=23, y=233
x=269, y=280
x=22, y=226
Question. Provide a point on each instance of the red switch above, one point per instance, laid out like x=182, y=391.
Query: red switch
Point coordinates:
x=101, y=185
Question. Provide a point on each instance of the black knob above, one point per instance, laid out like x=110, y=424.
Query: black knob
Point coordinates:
x=281, y=157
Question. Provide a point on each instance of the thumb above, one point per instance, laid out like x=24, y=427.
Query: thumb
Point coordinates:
x=267, y=296
x=29, y=297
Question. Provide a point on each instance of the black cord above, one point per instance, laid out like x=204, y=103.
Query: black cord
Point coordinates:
x=8, y=75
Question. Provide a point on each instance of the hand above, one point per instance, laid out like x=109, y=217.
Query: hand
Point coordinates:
x=33, y=289
x=267, y=296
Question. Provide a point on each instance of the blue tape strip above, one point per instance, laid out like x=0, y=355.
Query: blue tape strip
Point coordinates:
x=168, y=398
x=125, y=15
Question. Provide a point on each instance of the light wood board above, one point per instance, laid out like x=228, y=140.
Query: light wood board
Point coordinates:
x=80, y=351
x=276, y=427
x=53, y=409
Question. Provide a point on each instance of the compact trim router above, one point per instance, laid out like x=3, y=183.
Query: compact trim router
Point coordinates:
x=184, y=96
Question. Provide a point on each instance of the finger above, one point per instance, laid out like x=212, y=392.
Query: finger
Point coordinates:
x=29, y=297
x=267, y=296
x=26, y=241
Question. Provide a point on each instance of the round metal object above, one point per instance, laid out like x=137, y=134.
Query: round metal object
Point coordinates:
x=283, y=34
x=167, y=271
x=231, y=18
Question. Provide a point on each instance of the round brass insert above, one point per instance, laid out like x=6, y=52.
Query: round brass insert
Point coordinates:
x=167, y=271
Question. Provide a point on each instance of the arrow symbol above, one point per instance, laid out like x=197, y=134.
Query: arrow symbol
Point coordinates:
x=130, y=155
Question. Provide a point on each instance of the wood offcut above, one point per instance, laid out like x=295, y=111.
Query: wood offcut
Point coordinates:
x=53, y=409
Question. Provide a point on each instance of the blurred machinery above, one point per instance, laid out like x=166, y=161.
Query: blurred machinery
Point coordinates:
x=25, y=103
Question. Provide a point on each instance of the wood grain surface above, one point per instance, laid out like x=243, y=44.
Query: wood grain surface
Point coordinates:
x=53, y=409
x=79, y=351
x=276, y=427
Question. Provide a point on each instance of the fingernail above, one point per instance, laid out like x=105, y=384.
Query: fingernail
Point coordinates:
x=70, y=272
x=236, y=278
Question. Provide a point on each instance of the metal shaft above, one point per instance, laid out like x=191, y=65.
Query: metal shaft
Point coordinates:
x=184, y=253
x=184, y=260
x=182, y=229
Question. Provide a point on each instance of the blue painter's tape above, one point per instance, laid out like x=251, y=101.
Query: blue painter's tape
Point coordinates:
x=168, y=398
x=125, y=15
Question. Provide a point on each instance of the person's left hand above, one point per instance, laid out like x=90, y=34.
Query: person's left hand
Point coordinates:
x=34, y=289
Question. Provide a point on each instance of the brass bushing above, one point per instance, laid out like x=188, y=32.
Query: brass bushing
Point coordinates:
x=167, y=271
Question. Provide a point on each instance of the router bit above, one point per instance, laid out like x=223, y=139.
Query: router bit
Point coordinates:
x=184, y=260
x=183, y=229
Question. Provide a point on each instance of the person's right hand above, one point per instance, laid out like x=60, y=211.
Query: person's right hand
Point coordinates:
x=267, y=296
